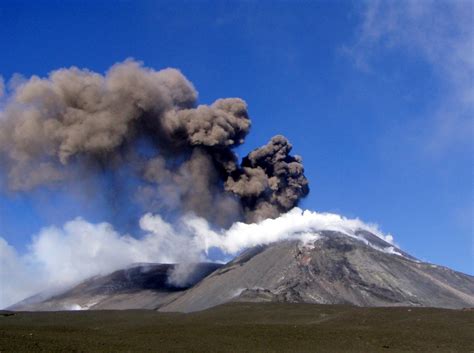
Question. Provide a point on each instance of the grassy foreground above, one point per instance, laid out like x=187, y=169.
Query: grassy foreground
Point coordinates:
x=242, y=327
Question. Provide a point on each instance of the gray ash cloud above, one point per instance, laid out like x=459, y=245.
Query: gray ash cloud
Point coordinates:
x=52, y=130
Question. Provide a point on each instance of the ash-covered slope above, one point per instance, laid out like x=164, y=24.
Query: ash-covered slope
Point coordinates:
x=141, y=286
x=334, y=269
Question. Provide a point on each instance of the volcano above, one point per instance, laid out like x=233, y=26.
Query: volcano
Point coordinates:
x=331, y=268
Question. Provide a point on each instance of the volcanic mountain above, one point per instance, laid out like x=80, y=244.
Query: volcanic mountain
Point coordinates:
x=331, y=268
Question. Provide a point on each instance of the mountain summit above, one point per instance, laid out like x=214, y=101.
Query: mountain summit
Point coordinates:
x=331, y=268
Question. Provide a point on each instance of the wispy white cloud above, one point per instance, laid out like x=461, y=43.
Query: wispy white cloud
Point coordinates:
x=441, y=33
x=2, y=87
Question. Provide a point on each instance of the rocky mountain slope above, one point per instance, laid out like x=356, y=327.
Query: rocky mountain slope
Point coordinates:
x=141, y=286
x=333, y=269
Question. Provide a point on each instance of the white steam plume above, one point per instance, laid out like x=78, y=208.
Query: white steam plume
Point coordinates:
x=296, y=224
x=60, y=257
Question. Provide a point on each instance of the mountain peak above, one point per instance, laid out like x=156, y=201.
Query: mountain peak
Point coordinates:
x=329, y=268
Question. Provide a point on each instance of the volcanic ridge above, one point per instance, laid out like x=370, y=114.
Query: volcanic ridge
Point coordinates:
x=331, y=268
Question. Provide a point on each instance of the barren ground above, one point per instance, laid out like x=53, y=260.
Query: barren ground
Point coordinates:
x=242, y=327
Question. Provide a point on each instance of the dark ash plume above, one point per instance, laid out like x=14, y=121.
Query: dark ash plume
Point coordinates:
x=270, y=181
x=76, y=120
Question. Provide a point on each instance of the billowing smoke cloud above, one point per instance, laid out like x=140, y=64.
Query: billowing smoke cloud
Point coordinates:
x=145, y=125
x=78, y=121
x=270, y=181
x=67, y=255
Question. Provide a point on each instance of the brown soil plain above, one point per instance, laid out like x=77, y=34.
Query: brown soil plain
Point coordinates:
x=242, y=327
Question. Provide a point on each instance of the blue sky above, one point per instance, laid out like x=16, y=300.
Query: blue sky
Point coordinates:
x=376, y=96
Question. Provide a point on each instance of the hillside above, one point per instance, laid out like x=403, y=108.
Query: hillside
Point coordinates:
x=335, y=269
x=332, y=268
